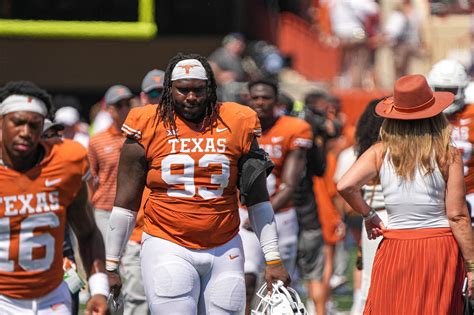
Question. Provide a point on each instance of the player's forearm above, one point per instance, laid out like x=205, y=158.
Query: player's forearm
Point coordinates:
x=263, y=223
x=92, y=251
x=121, y=224
x=291, y=175
x=282, y=198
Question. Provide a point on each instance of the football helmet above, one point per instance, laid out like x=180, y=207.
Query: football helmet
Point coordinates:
x=469, y=93
x=281, y=301
x=450, y=76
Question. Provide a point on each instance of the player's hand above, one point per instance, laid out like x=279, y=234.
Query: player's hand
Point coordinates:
x=340, y=230
x=115, y=282
x=276, y=272
x=374, y=227
x=97, y=305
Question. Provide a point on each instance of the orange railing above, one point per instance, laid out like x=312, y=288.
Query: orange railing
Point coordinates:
x=311, y=58
x=354, y=101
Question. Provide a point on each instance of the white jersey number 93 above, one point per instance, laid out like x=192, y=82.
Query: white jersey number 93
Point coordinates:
x=186, y=176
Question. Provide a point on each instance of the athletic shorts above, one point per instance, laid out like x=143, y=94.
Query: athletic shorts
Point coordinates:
x=310, y=259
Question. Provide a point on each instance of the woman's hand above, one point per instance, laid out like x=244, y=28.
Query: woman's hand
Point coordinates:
x=374, y=227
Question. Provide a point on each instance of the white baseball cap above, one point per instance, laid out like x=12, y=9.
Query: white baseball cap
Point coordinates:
x=67, y=116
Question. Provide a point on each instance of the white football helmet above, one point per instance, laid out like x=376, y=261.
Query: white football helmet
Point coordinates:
x=282, y=301
x=449, y=75
x=469, y=93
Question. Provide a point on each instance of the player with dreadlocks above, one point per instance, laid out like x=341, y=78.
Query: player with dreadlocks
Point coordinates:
x=192, y=152
x=209, y=107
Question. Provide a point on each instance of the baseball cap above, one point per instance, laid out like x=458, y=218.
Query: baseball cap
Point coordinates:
x=153, y=80
x=67, y=116
x=117, y=93
x=232, y=36
x=48, y=124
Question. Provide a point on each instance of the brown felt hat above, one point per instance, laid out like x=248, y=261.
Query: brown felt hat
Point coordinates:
x=413, y=99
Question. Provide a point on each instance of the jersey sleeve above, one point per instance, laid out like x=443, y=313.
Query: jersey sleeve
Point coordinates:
x=75, y=163
x=302, y=136
x=252, y=130
x=85, y=169
x=138, y=125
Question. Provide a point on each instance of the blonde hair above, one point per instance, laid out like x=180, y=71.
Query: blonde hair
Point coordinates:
x=418, y=143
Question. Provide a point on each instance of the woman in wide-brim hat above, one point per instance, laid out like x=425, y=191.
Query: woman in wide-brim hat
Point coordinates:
x=428, y=243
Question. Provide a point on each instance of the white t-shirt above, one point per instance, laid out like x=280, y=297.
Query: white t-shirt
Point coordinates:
x=344, y=162
x=348, y=16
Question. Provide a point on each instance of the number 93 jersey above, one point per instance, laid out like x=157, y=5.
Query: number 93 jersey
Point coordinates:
x=32, y=219
x=463, y=138
x=192, y=173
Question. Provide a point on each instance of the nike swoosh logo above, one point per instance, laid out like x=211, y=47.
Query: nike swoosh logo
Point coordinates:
x=233, y=257
x=464, y=121
x=221, y=130
x=277, y=139
x=50, y=182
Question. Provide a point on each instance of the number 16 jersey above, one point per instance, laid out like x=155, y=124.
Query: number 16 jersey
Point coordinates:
x=192, y=173
x=32, y=219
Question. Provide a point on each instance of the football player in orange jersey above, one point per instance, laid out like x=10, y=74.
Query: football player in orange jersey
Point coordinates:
x=43, y=185
x=286, y=140
x=450, y=75
x=192, y=151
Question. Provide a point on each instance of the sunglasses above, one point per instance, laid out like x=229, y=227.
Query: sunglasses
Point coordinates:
x=154, y=93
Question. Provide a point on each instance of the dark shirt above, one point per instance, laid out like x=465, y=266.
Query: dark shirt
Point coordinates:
x=304, y=198
x=228, y=62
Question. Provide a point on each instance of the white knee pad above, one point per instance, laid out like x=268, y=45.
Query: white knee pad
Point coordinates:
x=173, y=279
x=228, y=293
x=173, y=289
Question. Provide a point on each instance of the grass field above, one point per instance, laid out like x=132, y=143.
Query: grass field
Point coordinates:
x=344, y=301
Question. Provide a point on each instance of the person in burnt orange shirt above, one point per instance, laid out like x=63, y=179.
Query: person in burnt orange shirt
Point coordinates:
x=286, y=140
x=189, y=150
x=43, y=185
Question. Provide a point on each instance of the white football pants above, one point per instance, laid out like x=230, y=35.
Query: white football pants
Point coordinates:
x=179, y=280
x=56, y=302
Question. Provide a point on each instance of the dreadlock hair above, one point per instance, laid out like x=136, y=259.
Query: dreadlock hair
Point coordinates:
x=165, y=110
x=29, y=89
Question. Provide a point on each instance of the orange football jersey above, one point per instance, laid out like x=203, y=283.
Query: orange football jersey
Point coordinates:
x=192, y=174
x=463, y=137
x=287, y=134
x=32, y=219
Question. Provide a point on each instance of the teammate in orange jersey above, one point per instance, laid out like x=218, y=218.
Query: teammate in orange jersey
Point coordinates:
x=192, y=152
x=43, y=185
x=286, y=140
x=450, y=75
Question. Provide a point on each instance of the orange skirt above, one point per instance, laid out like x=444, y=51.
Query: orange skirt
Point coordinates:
x=417, y=271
